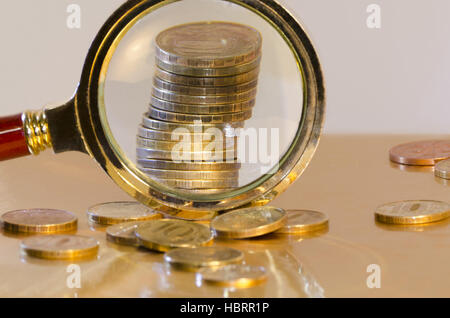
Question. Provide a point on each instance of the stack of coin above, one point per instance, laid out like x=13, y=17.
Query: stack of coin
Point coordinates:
x=203, y=88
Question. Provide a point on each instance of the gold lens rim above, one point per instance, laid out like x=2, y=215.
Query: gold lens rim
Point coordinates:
x=101, y=145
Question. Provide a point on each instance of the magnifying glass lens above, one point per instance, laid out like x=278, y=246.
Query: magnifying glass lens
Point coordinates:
x=202, y=96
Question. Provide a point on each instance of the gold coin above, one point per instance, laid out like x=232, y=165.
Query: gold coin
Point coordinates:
x=249, y=222
x=205, y=155
x=179, y=135
x=60, y=246
x=123, y=233
x=192, y=175
x=207, y=81
x=209, y=44
x=199, y=184
x=442, y=169
x=119, y=212
x=206, y=256
x=207, y=109
x=228, y=128
x=188, y=215
x=191, y=166
x=158, y=114
x=163, y=235
x=176, y=97
x=226, y=144
x=204, y=91
x=412, y=212
x=302, y=221
x=236, y=275
x=208, y=72
x=39, y=221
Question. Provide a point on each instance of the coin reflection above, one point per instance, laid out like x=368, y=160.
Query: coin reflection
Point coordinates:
x=411, y=168
x=444, y=182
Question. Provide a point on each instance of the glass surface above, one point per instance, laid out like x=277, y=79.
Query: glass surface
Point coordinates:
x=264, y=137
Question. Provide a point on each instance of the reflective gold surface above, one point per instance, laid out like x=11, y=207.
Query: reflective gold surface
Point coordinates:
x=346, y=184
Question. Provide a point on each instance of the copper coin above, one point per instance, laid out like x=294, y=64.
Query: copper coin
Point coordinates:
x=421, y=153
x=39, y=221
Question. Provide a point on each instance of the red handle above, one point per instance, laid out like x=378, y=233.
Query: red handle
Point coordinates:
x=13, y=142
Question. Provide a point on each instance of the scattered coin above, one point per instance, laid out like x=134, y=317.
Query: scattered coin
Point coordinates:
x=442, y=169
x=123, y=233
x=189, y=215
x=39, y=221
x=412, y=212
x=236, y=275
x=119, y=212
x=60, y=246
x=208, y=45
x=206, y=256
x=303, y=221
x=421, y=153
x=165, y=234
x=249, y=222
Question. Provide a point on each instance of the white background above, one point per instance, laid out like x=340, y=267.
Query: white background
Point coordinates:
x=389, y=80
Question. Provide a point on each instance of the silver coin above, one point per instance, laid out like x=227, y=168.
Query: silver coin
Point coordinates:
x=205, y=155
x=191, y=166
x=192, y=175
x=207, y=109
x=228, y=127
x=191, y=118
x=442, y=169
x=178, y=135
x=199, y=184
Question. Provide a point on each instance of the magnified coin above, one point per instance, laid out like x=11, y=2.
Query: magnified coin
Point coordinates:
x=119, y=212
x=191, y=166
x=202, y=127
x=191, y=118
x=442, y=169
x=204, y=91
x=192, y=175
x=228, y=155
x=205, y=109
x=170, y=145
x=60, y=246
x=39, y=221
x=199, y=184
x=207, y=81
x=249, y=222
x=209, y=44
x=236, y=275
x=412, y=212
x=207, y=256
x=189, y=215
x=123, y=233
x=163, y=235
x=421, y=153
x=303, y=221
x=176, y=135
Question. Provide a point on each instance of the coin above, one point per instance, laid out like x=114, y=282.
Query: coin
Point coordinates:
x=206, y=256
x=192, y=175
x=206, y=109
x=176, y=97
x=205, y=155
x=119, y=212
x=158, y=114
x=442, y=169
x=204, y=91
x=208, y=72
x=39, y=221
x=302, y=221
x=228, y=128
x=190, y=145
x=421, y=153
x=207, y=81
x=165, y=234
x=191, y=166
x=60, y=246
x=208, y=44
x=412, y=212
x=199, y=184
x=123, y=233
x=249, y=222
x=236, y=275
x=181, y=135
x=188, y=215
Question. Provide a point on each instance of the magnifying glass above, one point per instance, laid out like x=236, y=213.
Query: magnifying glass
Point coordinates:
x=160, y=81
